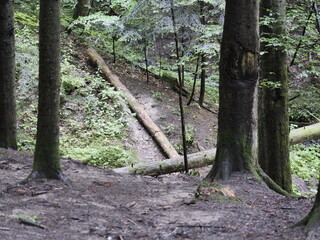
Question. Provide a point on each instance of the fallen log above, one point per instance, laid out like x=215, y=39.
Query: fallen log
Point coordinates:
x=135, y=106
x=195, y=160
x=305, y=134
x=205, y=158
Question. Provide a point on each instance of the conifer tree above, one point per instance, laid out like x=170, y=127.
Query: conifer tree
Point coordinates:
x=7, y=76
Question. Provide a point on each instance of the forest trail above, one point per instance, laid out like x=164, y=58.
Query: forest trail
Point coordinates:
x=161, y=103
x=100, y=204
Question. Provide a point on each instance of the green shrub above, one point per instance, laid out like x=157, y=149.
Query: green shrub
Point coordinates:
x=103, y=156
x=302, y=108
x=305, y=161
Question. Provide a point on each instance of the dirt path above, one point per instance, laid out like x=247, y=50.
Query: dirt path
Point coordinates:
x=162, y=105
x=99, y=204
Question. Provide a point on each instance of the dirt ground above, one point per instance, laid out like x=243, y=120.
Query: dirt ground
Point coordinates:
x=100, y=204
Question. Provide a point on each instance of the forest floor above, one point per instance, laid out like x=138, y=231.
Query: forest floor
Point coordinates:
x=97, y=203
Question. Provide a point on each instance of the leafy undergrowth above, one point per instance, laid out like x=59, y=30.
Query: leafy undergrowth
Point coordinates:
x=305, y=164
x=93, y=121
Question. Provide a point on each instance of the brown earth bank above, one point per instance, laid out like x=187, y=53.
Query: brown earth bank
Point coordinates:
x=100, y=204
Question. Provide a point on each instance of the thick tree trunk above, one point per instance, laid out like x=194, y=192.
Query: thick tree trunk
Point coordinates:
x=195, y=160
x=47, y=158
x=82, y=8
x=7, y=77
x=273, y=99
x=304, y=134
x=237, y=121
x=142, y=115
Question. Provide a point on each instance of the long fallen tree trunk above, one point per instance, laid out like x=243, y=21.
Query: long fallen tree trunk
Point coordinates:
x=205, y=158
x=304, y=134
x=135, y=106
x=195, y=160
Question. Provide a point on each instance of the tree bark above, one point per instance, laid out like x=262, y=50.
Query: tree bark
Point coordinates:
x=203, y=60
x=183, y=127
x=203, y=79
x=304, y=134
x=237, y=120
x=47, y=158
x=195, y=160
x=7, y=77
x=141, y=114
x=82, y=8
x=312, y=220
x=273, y=99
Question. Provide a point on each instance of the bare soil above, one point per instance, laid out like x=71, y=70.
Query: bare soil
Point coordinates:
x=99, y=204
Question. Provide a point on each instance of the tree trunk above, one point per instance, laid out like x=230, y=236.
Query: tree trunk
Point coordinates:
x=273, y=99
x=195, y=160
x=312, y=220
x=203, y=80
x=142, y=115
x=82, y=8
x=183, y=127
x=7, y=77
x=237, y=120
x=304, y=134
x=47, y=158
x=145, y=50
x=203, y=59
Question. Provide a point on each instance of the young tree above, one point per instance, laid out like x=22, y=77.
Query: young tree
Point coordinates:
x=7, y=77
x=47, y=158
x=273, y=97
x=237, y=120
x=203, y=60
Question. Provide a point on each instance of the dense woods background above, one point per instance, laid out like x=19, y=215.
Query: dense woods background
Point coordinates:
x=262, y=73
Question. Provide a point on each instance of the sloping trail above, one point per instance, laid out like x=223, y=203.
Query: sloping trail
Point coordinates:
x=160, y=102
x=136, y=107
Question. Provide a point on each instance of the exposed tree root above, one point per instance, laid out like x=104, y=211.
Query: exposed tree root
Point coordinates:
x=272, y=185
x=43, y=175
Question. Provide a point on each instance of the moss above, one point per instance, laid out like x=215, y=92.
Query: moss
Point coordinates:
x=313, y=218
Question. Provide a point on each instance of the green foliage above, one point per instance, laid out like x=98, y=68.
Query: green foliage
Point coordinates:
x=305, y=161
x=169, y=129
x=305, y=107
x=70, y=79
x=28, y=218
x=93, y=122
x=190, y=134
x=103, y=156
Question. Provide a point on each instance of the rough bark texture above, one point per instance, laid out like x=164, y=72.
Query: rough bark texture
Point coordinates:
x=312, y=220
x=142, y=115
x=273, y=99
x=82, y=8
x=195, y=160
x=47, y=157
x=305, y=134
x=237, y=121
x=7, y=77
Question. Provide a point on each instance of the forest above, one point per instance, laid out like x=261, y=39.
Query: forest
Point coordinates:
x=159, y=119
